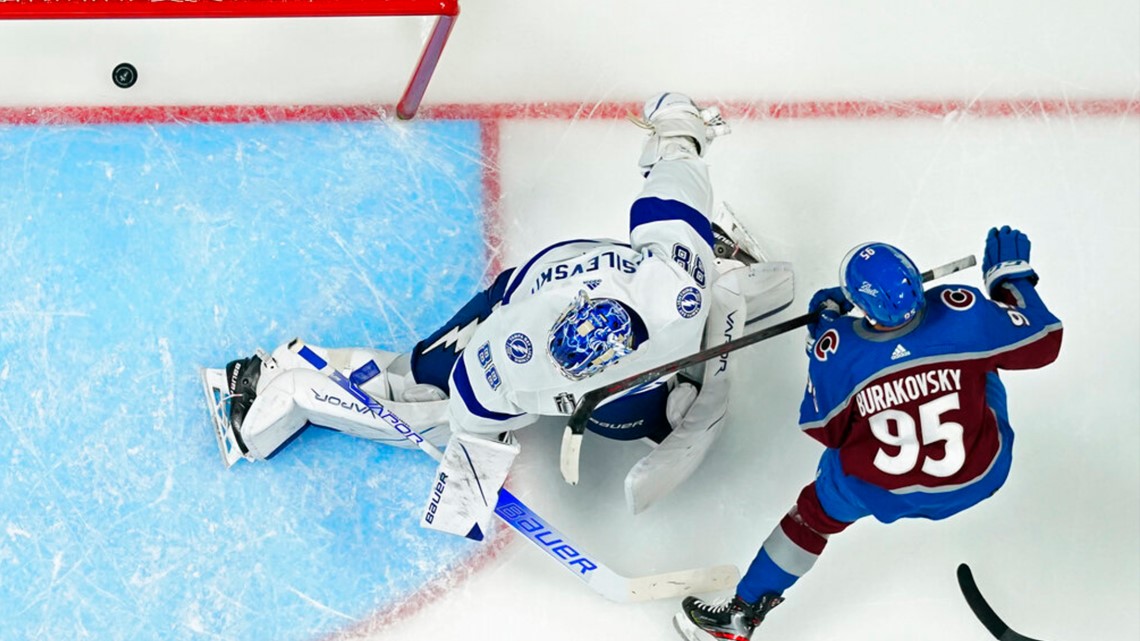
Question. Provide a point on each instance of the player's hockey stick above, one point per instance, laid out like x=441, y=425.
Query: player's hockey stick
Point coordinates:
x=576, y=426
x=982, y=609
x=540, y=533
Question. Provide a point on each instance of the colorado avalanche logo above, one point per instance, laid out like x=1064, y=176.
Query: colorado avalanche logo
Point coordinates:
x=826, y=345
x=689, y=302
x=519, y=348
x=958, y=299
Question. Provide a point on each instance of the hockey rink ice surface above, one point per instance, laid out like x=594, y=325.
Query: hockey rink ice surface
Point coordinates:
x=138, y=246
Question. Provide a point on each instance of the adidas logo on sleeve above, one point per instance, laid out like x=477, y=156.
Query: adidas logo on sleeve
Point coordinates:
x=900, y=352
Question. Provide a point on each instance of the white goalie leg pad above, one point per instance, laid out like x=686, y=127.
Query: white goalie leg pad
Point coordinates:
x=291, y=394
x=467, y=483
x=380, y=374
x=697, y=422
x=767, y=288
x=680, y=399
x=670, y=463
x=273, y=418
x=324, y=403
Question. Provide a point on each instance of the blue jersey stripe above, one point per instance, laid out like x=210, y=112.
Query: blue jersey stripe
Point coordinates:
x=652, y=210
x=462, y=386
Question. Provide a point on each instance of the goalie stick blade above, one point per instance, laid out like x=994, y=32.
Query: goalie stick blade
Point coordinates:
x=982, y=609
x=674, y=585
x=217, y=398
x=598, y=575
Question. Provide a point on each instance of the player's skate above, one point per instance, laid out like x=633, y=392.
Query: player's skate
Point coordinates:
x=230, y=393
x=734, y=620
x=732, y=242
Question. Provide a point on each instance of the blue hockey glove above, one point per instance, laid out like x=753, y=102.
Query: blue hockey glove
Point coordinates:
x=1006, y=257
x=830, y=303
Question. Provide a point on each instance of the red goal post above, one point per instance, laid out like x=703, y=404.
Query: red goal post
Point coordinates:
x=447, y=11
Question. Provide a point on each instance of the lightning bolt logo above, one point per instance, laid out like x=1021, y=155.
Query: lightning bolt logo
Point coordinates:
x=457, y=338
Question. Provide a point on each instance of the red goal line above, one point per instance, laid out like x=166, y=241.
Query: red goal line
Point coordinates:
x=735, y=109
x=804, y=109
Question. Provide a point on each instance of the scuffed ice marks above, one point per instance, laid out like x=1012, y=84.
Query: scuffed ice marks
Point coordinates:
x=136, y=254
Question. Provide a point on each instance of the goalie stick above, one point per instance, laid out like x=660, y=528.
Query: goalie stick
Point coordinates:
x=540, y=533
x=982, y=609
x=576, y=426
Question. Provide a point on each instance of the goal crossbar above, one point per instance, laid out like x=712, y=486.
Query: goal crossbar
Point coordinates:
x=446, y=12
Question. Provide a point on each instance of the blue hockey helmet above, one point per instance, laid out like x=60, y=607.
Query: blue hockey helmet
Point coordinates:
x=883, y=282
x=590, y=335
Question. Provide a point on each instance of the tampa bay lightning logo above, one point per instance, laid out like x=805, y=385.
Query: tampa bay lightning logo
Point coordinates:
x=689, y=302
x=519, y=348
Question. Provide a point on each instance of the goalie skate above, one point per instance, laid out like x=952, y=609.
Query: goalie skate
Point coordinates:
x=218, y=399
x=732, y=240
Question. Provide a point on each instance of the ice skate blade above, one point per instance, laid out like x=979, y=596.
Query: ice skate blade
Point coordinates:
x=217, y=399
x=687, y=630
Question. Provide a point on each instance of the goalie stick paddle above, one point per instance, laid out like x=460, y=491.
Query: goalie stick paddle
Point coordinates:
x=982, y=609
x=600, y=578
x=576, y=426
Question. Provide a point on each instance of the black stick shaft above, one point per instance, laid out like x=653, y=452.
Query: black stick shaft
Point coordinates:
x=590, y=400
x=982, y=609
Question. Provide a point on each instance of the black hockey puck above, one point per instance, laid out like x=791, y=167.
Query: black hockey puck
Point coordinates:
x=124, y=75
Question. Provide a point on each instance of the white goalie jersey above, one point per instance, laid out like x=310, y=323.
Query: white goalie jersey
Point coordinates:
x=577, y=316
x=506, y=376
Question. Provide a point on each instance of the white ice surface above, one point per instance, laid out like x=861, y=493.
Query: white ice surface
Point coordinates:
x=1057, y=550
x=588, y=50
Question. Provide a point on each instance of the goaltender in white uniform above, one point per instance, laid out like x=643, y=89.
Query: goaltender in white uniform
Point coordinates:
x=578, y=315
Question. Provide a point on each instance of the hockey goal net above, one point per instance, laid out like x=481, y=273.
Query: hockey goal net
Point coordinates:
x=445, y=12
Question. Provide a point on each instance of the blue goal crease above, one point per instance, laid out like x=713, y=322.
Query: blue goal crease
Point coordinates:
x=137, y=254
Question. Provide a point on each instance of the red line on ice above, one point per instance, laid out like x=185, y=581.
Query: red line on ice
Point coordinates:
x=740, y=110
x=429, y=593
x=489, y=140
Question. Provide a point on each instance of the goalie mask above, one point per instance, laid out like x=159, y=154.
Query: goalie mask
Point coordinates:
x=590, y=336
x=883, y=282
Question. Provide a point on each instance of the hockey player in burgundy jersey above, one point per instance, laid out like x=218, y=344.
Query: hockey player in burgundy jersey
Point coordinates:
x=908, y=402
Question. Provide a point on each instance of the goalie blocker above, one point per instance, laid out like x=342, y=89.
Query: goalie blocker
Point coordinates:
x=467, y=484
